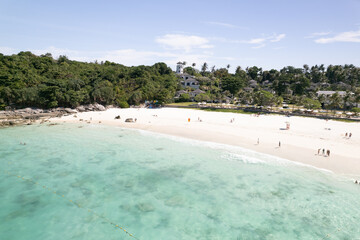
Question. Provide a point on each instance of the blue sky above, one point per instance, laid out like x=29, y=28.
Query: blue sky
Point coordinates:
x=264, y=33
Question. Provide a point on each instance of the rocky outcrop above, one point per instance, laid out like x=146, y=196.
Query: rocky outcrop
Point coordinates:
x=69, y=110
x=94, y=107
x=99, y=107
x=30, y=115
x=80, y=109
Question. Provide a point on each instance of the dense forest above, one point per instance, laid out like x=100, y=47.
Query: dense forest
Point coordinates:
x=27, y=80
x=298, y=86
x=41, y=81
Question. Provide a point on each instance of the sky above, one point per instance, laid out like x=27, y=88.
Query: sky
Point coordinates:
x=264, y=33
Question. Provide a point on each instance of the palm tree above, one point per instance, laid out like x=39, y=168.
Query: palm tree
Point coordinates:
x=228, y=66
x=336, y=101
x=193, y=65
x=306, y=68
x=204, y=67
x=238, y=69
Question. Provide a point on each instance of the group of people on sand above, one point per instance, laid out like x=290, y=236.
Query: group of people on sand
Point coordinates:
x=323, y=152
x=232, y=120
x=348, y=135
x=258, y=142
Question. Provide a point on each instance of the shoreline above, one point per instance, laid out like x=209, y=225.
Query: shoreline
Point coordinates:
x=299, y=143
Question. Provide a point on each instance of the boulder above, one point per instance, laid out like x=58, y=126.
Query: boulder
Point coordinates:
x=69, y=110
x=99, y=107
x=59, y=109
x=89, y=107
x=37, y=111
x=81, y=109
x=25, y=110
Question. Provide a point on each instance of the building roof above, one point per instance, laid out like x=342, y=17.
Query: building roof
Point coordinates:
x=185, y=75
x=341, y=93
x=189, y=80
x=198, y=91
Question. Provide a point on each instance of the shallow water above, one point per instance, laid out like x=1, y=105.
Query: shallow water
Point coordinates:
x=158, y=187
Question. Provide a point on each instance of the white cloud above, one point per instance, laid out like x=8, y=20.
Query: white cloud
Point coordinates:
x=261, y=42
x=259, y=46
x=321, y=33
x=256, y=41
x=7, y=50
x=351, y=36
x=227, y=25
x=183, y=42
x=124, y=56
x=132, y=57
x=317, y=34
x=56, y=52
x=277, y=38
x=128, y=57
x=278, y=48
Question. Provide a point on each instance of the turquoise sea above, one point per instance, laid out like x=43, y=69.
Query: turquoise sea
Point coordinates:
x=91, y=181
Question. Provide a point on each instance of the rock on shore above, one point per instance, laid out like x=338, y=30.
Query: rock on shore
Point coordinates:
x=30, y=115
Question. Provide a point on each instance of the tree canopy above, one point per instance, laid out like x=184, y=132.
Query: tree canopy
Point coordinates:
x=27, y=80
x=41, y=81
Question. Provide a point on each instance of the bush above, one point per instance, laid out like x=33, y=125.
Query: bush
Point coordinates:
x=311, y=103
x=184, y=98
x=355, y=110
x=122, y=104
x=202, y=97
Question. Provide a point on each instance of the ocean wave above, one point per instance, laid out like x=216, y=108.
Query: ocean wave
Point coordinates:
x=232, y=153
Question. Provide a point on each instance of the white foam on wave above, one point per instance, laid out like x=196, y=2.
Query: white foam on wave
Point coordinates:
x=242, y=158
x=234, y=152
x=240, y=154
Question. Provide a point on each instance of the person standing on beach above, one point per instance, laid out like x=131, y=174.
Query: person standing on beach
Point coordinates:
x=279, y=144
x=323, y=151
x=328, y=152
x=350, y=134
x=345, y=134
x=319, y=151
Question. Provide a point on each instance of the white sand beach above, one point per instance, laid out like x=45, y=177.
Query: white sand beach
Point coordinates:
x=300, y=143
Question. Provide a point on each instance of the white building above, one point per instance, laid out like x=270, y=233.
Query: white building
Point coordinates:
x=180, y=68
